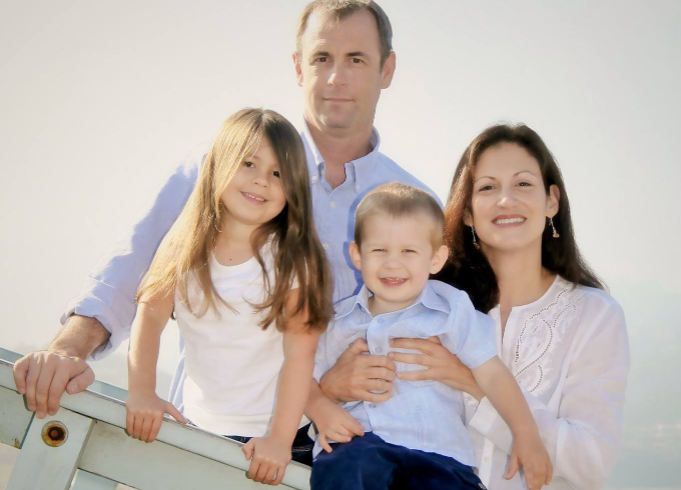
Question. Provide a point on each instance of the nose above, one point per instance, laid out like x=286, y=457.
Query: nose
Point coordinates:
x=392, y=261
x=338, y=76
x=506, y=198
x=261, y=178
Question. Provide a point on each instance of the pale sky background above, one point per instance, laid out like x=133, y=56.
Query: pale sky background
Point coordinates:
x=99, y=101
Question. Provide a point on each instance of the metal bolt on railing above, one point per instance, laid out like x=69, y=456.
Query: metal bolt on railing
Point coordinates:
x=54, y=433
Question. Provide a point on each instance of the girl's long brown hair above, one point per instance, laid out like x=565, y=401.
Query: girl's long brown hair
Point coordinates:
x=468, y=268
x=186, y=250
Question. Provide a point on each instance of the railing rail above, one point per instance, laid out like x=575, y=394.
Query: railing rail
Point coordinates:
x=87, y=436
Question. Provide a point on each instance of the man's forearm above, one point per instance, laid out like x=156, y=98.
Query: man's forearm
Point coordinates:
x=79, y=337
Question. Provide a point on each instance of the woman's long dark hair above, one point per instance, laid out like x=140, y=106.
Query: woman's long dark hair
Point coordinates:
x=468, y=268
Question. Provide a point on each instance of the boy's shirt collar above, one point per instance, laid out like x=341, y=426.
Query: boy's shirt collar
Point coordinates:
x=428, y=298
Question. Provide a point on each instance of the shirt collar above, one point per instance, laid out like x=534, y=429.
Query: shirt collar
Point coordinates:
x=360, y=169
x=428, y=298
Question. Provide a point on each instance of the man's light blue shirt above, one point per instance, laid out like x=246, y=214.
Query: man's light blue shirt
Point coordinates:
x=108, y=292
x=424, y=415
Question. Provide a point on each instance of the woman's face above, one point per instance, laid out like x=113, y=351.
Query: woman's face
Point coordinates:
x=509, y=203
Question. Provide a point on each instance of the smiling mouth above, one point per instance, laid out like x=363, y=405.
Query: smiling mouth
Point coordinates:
x=254, y=197
x=393, y=281
x=509, y=221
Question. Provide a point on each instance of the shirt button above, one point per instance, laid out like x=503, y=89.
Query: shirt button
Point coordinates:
x=325, y=245
x=314, y=178
x=357, y=188
x=379, y=350
x=372, y=405
x=332, y=204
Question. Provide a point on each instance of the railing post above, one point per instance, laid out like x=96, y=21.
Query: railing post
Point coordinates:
x=50, y=452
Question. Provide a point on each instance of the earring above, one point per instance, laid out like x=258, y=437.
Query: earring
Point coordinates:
x=475, y=241
x=555, y=233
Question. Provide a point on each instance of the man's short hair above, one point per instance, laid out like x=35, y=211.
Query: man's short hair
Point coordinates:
x=340, y=9
x=398, y=200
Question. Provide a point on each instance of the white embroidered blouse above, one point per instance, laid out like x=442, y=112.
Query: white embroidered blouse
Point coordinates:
x=570, y=354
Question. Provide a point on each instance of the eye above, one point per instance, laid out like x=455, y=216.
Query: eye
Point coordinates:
x=485, y=188
x=249, y=164
x=378, y=250
x=409, y=251
x=276, y=174
x=524, y=184
x=357, y=60
x=321, y=59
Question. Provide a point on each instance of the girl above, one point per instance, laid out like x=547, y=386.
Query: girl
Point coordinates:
x=563, y=337
x=247, y=280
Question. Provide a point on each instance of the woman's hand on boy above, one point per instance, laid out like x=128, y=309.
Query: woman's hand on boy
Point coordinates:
x=269, y=457
x=336, y=425
x=441, y=365
x=145, y=415
x=357, y=376
x=529, y=452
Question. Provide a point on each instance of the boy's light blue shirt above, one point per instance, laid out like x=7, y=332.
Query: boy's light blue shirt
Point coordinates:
x=424, y=415
x=108, y=292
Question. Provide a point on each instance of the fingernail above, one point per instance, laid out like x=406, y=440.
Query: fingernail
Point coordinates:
x=40, y=415
x=391, y=355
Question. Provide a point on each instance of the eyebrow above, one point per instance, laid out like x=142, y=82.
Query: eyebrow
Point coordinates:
x=514, y=175
x=356, y=54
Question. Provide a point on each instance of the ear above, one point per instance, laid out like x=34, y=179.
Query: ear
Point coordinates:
x=552, y=201
x=299, y=71
x=355, y=256
x=388, y=70
x=467, y=218
x=439, y=259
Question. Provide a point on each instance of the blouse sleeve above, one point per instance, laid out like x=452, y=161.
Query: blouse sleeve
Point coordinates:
x=584, y=438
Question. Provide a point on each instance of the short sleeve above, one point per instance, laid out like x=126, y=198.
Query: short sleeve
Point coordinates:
x=469, y=334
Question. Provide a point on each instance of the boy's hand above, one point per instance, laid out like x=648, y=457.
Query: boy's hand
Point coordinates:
x=145, y=415
x=269, y=457
x=529, y=452
x=336, y=425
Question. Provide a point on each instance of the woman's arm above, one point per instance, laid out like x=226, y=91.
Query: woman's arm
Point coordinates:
x=269, y=455
x=144, y=408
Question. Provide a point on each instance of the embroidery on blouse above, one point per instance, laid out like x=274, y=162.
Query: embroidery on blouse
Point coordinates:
x=546, y=319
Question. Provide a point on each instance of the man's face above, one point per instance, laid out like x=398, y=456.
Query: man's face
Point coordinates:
x=339, y=68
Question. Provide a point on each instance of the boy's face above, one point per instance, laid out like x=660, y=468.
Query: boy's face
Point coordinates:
x=396, y=259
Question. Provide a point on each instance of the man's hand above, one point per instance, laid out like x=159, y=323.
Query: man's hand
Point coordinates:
x=43, y=377
x=356, y=376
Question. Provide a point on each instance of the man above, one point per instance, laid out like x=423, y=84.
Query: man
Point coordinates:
x=343, y=60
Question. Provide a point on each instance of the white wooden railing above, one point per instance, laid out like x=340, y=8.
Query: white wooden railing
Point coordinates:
x=84, y=447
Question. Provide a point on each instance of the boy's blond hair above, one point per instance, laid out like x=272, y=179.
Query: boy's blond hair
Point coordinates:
x=397, y=200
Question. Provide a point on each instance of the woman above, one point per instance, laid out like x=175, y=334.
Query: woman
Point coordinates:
x=513, y=251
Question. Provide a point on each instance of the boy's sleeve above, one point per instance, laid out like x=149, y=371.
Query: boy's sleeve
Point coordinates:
x=470, y=334
x=109, y=290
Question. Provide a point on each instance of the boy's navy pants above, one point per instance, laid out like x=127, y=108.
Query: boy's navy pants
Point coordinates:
x=370, y=463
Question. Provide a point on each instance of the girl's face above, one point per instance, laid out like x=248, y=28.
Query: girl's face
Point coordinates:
x=255, y=195
x=509, y=203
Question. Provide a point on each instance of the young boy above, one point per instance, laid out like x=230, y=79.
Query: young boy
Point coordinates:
x=417, y=438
